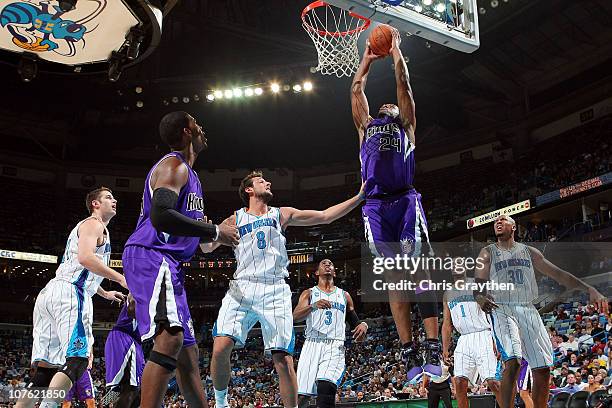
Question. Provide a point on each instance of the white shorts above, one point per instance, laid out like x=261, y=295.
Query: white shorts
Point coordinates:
x=474, y=356
x=520, y=333
x=247, y=303
x=63, y=316
x=320, y=359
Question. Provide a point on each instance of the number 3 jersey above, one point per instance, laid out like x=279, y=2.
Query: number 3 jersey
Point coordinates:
x=327, y=324
x=261, y=255
x=387, y=159
x=514, y=266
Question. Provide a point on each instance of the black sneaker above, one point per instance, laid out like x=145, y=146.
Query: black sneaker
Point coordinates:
x=413, y=360
x=432, y=366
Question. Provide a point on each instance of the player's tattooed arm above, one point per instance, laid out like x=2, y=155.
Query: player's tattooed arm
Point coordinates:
x=568, y=280
x=303, y=308
x=405, y=99
x=482, y=273
x=359, y=101
x=293, y=217
x=89, y=234
x=447, y=330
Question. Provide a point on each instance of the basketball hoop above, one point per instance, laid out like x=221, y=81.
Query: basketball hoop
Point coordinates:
x=334, y=32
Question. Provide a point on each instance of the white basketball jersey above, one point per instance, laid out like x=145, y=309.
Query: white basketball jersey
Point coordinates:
x=466, y=315
x=513, y=266
x=72, y=271
x=329, y=324
x=261, y=253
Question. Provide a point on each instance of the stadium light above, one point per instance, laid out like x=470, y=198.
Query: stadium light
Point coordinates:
x=308, y=86
x=185, y=99
x=139, y=104
x=248, y=92
x=275, y=87
x=237, y=92
x=218, y=94
x=175, y=99
x=228, y=94
x=297, y=88
x=258, y=91
x=211, y=97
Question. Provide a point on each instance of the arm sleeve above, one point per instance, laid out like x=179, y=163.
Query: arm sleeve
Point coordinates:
x=352, y=318
x=165, y=218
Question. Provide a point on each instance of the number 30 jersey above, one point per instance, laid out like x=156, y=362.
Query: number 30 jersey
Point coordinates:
x=387, y=157
x=327, y=324
x=513, y=266
x=261, y=255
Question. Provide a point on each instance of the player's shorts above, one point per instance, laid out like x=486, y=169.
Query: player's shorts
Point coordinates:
x=320, y=359
x=61, y=323
x=124, y=359
x=157, y=283
x=396, y=225
x=524, y=379
x=520, y=333
x=247, y=303
x=83, y=389
x=474, y=356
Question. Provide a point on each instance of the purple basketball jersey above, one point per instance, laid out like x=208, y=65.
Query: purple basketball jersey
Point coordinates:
x=387, y=159
x=127, y=325
x=190, y=204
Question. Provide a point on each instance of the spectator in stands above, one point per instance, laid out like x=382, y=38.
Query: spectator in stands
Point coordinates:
x=570, y=387
x=571, y=344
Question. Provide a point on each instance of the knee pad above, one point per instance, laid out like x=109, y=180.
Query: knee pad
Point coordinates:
x=75, y=367
x=326, y=394
x=169, y=363
x=428, y=305
x=42, y=376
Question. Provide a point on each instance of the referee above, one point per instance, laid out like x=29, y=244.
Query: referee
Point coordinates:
x=438, y=388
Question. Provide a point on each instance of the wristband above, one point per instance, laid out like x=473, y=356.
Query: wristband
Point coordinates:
x=216, y=233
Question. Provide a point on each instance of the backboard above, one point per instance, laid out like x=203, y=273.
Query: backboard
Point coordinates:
x=452, y=23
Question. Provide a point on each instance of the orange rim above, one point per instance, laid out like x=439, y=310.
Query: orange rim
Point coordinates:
x=319, y=3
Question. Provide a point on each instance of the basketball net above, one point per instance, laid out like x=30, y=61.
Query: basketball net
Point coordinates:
x=334, y=32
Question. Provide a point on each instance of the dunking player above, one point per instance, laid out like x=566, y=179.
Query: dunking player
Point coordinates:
x=124, y=357
x=258, y=291
x=517, y=326
x=474, y=354
x=393, y=213
x=63, y=311
x=169, y=230
x=325, y=308
x=83, y=389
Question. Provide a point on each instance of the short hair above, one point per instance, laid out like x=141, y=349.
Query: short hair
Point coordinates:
x=171, y=128
x=95, y=195
x=246, y=183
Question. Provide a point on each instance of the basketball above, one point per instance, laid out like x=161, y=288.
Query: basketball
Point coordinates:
x=381, y=39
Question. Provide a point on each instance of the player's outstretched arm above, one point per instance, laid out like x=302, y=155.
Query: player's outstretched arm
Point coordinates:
x=166, y=182
x=111, y=295
x=568, y=280
x=303, y=308
x=360, y=328
x=89, y=233
x=447, y=330
x=359, y=101
x=405, y=99
x=301, y=218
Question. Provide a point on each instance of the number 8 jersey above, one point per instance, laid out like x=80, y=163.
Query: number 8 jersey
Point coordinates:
x=327, y=324
x=513, y=266
x=261, y=254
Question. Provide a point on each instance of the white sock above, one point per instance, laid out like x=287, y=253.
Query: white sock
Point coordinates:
x=221, y=398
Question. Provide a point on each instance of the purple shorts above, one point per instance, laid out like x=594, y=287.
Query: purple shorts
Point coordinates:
x=157, y=283
x=396, y=225
x=124, y=359
x=83, y=389
x=524, y=378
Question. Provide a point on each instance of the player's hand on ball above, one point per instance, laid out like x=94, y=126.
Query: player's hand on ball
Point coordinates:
x=598, y=300
x=323, y=304
x=228, y=235
x=486, y=303
x=359, y=332
x=369, y=55
x=396, y=41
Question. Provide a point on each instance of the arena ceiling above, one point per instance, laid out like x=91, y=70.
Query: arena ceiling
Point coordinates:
x=535, y=55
